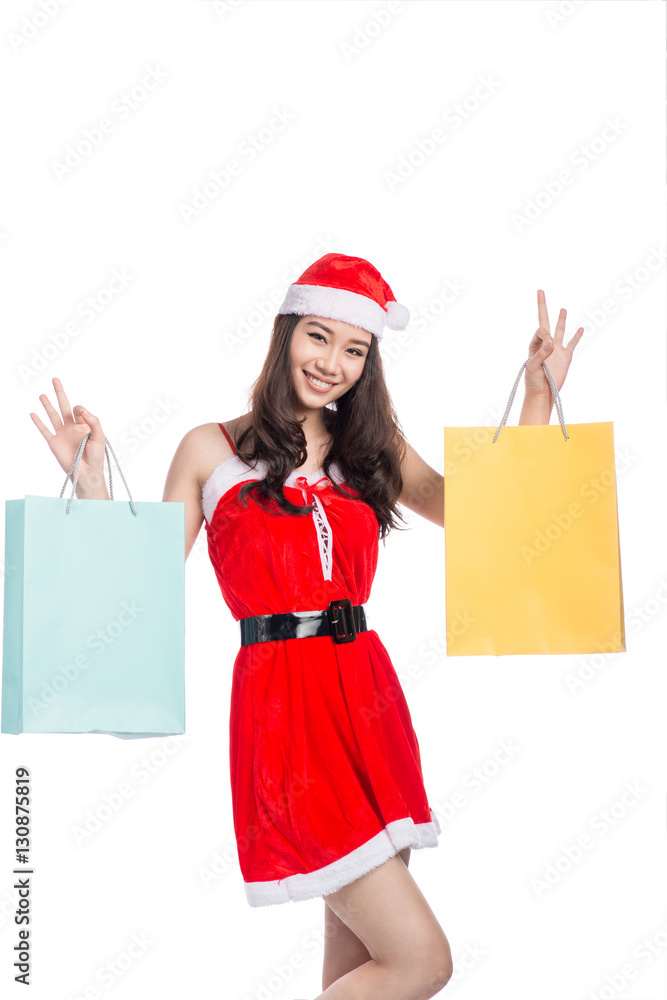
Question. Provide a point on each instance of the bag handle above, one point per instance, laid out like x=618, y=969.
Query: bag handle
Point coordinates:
x=554, y=393
x=77, y=463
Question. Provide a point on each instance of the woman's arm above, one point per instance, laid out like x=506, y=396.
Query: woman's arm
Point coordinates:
x=536, y=409
x=424, y=488
x=197, y=454
x=182, y=485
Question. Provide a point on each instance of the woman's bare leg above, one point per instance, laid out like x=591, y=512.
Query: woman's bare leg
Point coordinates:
x=343, y=951
x=410, y=957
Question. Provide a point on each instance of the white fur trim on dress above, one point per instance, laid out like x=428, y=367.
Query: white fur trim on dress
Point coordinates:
x=395, y=837
x=349, y=307
x=233, y=471
x=223, y=477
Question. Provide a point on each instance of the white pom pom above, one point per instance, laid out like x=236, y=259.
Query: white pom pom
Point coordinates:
x=398, y=316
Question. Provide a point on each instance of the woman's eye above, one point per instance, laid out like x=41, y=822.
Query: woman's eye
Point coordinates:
x=353, y=349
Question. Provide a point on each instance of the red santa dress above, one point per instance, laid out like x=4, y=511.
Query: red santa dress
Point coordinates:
x=325, y=766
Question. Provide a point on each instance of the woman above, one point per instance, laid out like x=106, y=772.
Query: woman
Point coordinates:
x=327, y=787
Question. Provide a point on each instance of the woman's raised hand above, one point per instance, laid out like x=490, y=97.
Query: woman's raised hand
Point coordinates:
x=545, y=348
x=70, y=427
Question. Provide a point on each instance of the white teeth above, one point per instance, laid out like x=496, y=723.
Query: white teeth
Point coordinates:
x=317, y=381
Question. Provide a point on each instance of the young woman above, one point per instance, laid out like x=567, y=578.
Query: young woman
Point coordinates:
x=327, y=786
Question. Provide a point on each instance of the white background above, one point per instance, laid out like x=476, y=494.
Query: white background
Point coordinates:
x=364, y=84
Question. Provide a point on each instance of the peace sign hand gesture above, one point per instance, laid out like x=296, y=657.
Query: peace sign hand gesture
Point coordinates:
x=552, y=350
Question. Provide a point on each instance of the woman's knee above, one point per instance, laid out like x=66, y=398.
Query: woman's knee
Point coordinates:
x=439, y=966
x=387, y=911
x=424, y=975
x=427, y=961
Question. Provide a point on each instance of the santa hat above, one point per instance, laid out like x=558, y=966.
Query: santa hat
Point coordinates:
x=349, y=289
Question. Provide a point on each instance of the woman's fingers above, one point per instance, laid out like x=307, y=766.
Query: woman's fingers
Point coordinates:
x=559, y=332
x=96, y=432
x=46, y=433
x=53, y=414
x=575, y=340
x=560, y=326
x=542, y=314
x=63, y=401
x=541, y=345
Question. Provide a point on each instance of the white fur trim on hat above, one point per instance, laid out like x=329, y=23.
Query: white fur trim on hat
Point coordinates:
x=349, y=307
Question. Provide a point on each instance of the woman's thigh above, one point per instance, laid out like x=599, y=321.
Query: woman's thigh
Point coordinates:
x=388, y=914
x=342, y=948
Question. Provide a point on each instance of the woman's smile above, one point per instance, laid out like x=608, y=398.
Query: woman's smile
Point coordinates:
x=321, y=385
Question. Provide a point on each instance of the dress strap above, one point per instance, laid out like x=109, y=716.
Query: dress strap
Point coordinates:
x=233, y=446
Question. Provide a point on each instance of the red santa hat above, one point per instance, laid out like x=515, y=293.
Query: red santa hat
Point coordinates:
x=349, y=289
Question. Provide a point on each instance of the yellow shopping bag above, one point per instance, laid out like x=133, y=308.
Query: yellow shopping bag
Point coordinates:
x=532, y=553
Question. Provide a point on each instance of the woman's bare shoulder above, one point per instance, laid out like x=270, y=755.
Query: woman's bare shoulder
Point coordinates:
x=204, y=447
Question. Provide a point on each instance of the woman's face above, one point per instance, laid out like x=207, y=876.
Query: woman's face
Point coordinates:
x=330, y=350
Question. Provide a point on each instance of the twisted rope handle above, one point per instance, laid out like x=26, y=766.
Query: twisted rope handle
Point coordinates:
x=77, y=462
x=554, y=393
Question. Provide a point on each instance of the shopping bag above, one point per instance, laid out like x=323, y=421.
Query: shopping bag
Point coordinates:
x=94, y=614
x=532, y=550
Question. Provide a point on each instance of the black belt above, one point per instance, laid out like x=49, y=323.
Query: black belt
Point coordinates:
x=341, y=620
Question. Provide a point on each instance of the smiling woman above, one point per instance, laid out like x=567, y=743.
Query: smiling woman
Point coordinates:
x=318, y=366
x=295, y=495
x=295, y=503
x=349, y=421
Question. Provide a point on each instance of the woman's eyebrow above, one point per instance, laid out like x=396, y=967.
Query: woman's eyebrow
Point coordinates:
x=314, y=323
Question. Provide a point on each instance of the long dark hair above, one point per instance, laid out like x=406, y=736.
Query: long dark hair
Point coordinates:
x=367, y=442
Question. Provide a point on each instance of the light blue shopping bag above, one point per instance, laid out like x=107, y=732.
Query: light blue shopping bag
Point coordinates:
x=94, y=615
